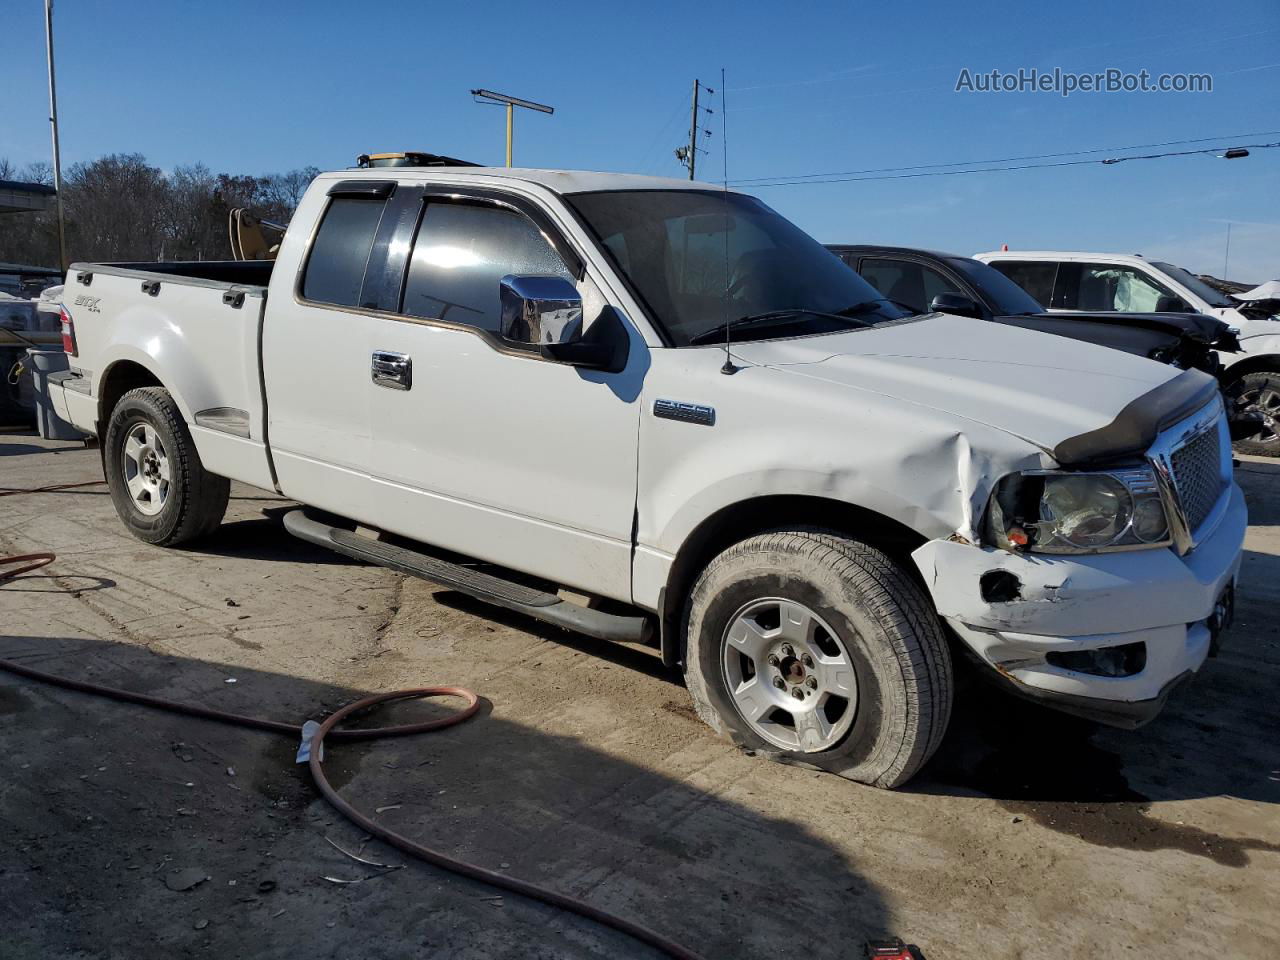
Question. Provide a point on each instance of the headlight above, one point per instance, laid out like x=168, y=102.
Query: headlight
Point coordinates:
x=1076, y=512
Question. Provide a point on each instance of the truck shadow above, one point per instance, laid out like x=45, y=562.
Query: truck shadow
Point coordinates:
x=265, y=538
x=107, y=804
x=1215, y=738
x=10, y=449
x=640, y=659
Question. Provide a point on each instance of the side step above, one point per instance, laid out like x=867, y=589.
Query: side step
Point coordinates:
x=474, y=583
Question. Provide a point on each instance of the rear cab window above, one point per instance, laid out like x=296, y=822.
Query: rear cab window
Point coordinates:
x=1034, y=276
x=335, y=269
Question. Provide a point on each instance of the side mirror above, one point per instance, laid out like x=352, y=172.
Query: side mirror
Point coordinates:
x=956, y=303
x=1167, y=303
x=547, y=312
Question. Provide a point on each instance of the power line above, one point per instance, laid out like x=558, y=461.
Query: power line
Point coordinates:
x=821, y=177
x=649, y=152
x=1024, y=166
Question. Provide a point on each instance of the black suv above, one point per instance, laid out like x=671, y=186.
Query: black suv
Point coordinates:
x=924, y=280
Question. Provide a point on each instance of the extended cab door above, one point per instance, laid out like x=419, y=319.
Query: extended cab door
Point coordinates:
x=480, y=445
x=315, y=346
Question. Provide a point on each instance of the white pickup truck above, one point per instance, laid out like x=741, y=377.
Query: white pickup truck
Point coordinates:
x=529, y=369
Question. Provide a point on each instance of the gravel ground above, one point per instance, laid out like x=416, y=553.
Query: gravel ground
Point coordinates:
x=129, y=833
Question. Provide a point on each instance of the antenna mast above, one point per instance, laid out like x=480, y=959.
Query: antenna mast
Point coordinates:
x=729, y=367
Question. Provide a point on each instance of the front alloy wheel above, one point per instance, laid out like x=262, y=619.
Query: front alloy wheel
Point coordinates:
x=807, y=646
x=789, y=675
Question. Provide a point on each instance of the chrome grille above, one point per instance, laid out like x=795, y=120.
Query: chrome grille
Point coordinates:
x=1197, y=475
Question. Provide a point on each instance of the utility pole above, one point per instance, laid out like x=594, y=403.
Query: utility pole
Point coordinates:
x=53, y=121
x=693, y=131
x=488, y=96
x=1226, y=257
x=689, y=155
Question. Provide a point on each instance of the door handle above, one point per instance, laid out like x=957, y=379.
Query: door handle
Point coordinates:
x=392, y=370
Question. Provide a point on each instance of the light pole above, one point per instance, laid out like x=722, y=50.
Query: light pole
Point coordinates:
x=53, y=121
x=488, y=96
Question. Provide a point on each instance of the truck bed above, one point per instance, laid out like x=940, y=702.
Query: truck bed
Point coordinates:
x=195, y=324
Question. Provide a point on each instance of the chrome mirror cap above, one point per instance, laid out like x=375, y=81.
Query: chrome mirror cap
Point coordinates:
x=540, y=310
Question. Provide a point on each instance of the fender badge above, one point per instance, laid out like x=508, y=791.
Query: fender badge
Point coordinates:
x=686, y=412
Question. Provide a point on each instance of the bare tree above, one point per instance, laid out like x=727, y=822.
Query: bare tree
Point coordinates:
x=119, y=207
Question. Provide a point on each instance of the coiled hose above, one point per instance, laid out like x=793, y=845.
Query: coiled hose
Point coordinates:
x=327, y=731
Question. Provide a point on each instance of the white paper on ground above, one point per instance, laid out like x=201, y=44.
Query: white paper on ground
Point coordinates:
x=304, y=749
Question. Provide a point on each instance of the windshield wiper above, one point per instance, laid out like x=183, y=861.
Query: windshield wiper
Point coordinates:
x=718, y=331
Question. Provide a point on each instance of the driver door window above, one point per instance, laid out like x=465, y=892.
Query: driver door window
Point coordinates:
x=1110, y=287
x=460, y=255
x=911, y=284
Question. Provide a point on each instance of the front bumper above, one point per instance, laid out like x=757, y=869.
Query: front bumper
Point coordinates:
x=1066, y=604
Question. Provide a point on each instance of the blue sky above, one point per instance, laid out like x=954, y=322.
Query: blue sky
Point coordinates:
x=812, y=87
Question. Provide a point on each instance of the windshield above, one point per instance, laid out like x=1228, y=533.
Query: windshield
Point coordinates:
x=1003, y=296
x=701, y=258
x=1214, y=298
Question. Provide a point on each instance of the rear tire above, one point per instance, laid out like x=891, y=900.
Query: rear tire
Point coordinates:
x=159, y=487
x=1259, y=390
x=811, y=648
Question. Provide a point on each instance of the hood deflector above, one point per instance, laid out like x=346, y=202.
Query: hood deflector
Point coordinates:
x=1135, y=427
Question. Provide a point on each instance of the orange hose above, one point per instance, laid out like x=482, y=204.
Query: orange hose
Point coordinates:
x=38, y=560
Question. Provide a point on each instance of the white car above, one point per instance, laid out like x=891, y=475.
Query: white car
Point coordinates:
x=529, y=368
x=1076, y=281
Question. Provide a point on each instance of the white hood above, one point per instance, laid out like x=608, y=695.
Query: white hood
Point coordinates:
x=1263, y=291
x=1040, y=387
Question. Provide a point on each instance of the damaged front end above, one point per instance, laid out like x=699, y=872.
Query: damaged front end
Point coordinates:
x=1099, y=589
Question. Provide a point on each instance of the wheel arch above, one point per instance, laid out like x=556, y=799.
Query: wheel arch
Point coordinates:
x=738, y=521
x=1251, y=363
x=116, y=380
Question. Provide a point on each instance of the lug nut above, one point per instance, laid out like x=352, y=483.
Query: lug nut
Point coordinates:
x=786, y=650
x=811, y=683
x=773, y=660
x=777, y=682
x=807, y=661
x=798, y=693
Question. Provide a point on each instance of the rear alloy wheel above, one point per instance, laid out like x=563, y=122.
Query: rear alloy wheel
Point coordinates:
x=1260, y=392
x=147, y=474
x=159, y=487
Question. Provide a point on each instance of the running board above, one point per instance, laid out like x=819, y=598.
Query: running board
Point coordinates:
x=474, y=583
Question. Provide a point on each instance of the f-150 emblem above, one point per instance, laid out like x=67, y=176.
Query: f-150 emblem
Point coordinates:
x=89, y=303
x=688, y=412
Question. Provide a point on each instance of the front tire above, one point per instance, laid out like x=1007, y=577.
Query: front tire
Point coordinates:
x=813, y=648
x=1259, y=391
x=159, y=487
